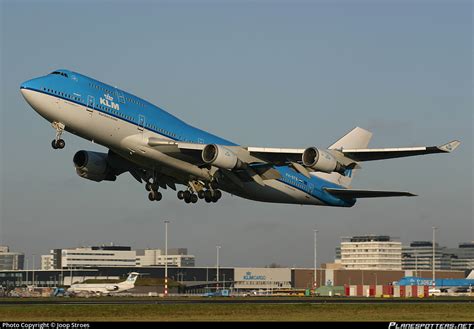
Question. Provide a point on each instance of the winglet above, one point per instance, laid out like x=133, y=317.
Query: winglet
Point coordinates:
x=449, y=147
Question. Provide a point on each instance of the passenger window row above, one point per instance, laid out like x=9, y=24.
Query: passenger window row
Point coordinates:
x=100, y=88
x=120, y=114
x=163, y=131
x=129, y=99
x=60, y=93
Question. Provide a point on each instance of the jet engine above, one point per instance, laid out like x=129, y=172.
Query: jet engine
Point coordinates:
x=93, y=166
x=221, y=157
x=111, y=288
x=320, y=160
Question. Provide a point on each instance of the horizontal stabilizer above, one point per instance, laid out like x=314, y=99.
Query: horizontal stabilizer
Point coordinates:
x=356, y=194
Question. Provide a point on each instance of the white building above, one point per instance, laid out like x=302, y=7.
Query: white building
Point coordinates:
x=419, y=255
x=371, y=252
x=98, y=256
x=10, y=261
x=156, y=257
x=261, y=278
x=47, y=262
x=120, y=256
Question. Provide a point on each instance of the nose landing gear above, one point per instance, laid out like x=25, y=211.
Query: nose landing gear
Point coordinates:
x=57, y=142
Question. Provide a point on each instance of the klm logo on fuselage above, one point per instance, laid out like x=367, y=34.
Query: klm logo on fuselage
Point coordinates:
x=109, y=102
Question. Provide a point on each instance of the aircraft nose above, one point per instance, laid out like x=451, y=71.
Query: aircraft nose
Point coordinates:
x=30, y=86
x=26, y=85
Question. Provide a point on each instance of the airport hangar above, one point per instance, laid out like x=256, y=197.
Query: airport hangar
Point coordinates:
x=196, y=279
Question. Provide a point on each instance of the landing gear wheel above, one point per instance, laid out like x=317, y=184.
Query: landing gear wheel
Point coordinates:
x=148, y=187
x=154, y=186
x=214, y=185
x=194, y=198
x=207, y=199
x=187, y=199
x=151, y=196
x=214, y=198
x=201, y=194
x=207, y=194
x=217, y=194
x=187, y=195
x=180, y=195
x=158, y=196
x=60, y=143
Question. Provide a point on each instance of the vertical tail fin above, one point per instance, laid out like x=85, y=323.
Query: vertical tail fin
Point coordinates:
x=357, y=138
x=132, y=277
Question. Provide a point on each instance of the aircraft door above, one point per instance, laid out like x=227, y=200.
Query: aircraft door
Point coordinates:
x=310, y=188
x=90, y=104
x=120, y=96
x=141, y=122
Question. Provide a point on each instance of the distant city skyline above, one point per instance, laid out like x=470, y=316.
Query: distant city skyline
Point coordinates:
x=286, y=74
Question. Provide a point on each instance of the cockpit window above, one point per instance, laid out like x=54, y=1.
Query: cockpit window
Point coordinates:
x=60, y=73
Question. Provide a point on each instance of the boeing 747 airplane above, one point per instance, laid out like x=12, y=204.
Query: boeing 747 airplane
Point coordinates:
x=162, y=151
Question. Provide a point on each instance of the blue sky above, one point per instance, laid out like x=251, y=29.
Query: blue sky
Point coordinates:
x=289, y=73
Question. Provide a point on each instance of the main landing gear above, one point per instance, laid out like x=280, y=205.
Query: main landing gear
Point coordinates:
x=188, y=196
x=212, y=194
x=153, y=187
x=57, y=142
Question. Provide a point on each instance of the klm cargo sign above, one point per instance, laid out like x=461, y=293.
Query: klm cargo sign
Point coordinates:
x=250, y=277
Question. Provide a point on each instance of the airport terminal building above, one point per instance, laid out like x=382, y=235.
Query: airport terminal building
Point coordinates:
x=114, y=256
x=197, y=279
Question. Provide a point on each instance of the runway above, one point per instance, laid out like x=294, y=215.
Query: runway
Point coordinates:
x=171, y=301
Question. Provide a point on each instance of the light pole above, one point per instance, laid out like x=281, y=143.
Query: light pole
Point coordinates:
x=315, y=258
x=166, y=257
x=33, y=279
x=217, y=267
x=27, y=271
x=416, y=264
x=434, y=256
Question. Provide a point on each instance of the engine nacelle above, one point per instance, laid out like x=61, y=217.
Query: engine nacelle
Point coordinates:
x=220, y=156
x=93, y=166
x=112, y=288
x=320, y=160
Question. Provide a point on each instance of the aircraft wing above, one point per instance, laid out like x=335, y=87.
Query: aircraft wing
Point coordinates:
x=193, y=150
x=390, y=153
x=278, y=156
x=285, y=155
x=356, y=194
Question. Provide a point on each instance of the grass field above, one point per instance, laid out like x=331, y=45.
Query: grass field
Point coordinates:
x=241, y=312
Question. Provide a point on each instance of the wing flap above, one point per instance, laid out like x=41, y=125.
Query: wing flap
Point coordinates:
x=356, y=194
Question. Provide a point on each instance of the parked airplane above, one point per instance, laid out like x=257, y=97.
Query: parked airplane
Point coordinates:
x=443, y=285
x=162, y=151
x=105, y=288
